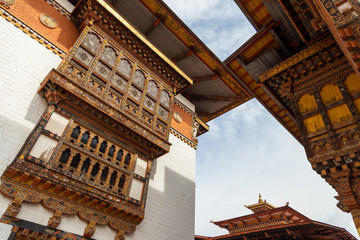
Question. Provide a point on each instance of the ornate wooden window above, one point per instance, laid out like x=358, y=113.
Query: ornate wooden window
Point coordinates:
x=76, y=156
x=103, y=69
x=74, y=148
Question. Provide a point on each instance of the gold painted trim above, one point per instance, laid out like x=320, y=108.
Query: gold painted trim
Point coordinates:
x=143, y=39
x=202, y=123
x=183, y=138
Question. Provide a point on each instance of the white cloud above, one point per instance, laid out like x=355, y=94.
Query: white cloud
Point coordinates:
x=222, y=25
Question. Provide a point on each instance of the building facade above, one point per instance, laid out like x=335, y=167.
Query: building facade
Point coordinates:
x=96, y=138
x=302, y=65
x=103, y=102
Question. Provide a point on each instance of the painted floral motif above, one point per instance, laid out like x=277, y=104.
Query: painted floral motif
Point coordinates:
x=83, y=56
x=118, y=81
x=163, y=113
x=135, y=93
x=103, y=70
x=149, y=103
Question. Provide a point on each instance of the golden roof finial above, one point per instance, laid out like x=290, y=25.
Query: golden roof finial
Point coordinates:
x=260, y=199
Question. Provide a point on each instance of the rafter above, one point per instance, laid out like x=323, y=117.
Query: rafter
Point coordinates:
x=204, y=98
x=153, y=26
x=182, y=56
x=205, y=78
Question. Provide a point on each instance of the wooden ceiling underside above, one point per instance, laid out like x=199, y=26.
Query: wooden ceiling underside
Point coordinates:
x=215, y=90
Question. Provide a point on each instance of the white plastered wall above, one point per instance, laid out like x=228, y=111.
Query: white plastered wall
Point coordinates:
x=24, y=63
x=170, y=206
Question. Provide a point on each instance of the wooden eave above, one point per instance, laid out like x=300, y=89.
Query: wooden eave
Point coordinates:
x=256, y=12
x=200, y=237
x=264, y=214
x=264, y=96
x=251, y=43
x=189, y=39
x=309, y=229
x=292, y=21
x=184, y=79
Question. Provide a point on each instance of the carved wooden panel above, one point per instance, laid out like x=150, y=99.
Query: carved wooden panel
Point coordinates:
x=110, y=73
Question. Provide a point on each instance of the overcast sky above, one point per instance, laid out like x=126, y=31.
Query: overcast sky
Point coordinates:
x=246, y=151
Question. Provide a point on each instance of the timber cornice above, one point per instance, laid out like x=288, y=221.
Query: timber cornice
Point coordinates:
x=55, y=78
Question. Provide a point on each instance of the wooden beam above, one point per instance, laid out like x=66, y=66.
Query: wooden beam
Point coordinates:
x=205, y=78
x=182, y=56
x=258, y=7
x=316, y=236
x=260, y=50
x=293, y=234
x=153, y=26
x=264, y=19
x=203, y=114
x=204, y=98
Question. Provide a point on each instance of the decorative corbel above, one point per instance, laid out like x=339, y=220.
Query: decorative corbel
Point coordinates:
x=53, y=96
x=120, y=235
x=89, y=19
x=14, y=207
x=90, y=229
x=55, y=219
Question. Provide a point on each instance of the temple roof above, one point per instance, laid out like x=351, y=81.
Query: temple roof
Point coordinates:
x=269, y=221
x=260, y=206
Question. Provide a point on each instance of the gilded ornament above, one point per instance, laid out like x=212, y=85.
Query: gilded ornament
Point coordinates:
x=7, y=3
x=177, y=117
x=48, y=21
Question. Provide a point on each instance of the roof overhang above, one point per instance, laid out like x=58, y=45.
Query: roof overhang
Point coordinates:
x=215, y=90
